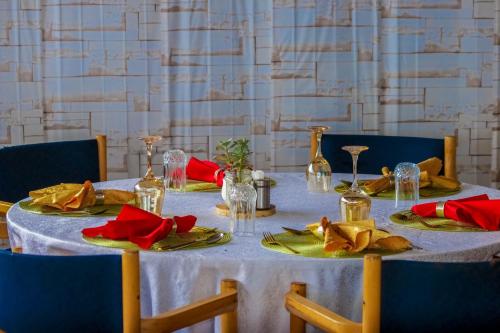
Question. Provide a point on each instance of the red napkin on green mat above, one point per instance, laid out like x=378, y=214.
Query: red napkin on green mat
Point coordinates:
x=206, y=171
x=477, y=210
x=140, y=227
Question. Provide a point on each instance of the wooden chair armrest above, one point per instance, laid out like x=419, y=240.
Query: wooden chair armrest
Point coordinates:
x=191, y=314
x=4, y=207
x=319, y=316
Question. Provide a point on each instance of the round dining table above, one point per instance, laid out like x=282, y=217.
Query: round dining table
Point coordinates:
x=175, y=278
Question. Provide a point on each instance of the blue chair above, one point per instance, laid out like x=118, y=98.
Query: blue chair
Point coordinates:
x=29, y=167
x=99, y=293
x=386, y=151
x=408, y=296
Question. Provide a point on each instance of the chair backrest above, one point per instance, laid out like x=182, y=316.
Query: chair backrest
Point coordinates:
x=60, y=293
x=383, y=151
x=29, y=167
x=440, y=297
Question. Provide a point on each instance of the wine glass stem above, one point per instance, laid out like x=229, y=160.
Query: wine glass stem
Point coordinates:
x=149, y=151
x=319, y=134
x=354, y=185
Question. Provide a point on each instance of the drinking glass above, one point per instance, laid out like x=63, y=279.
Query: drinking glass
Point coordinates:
x=174, y=170
x=242, y=201
x=319, y=171
x=355, y=204
x=407, y=177
x=233, y=177
x=150, y=190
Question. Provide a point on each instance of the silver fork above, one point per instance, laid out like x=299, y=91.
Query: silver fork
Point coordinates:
x=269, y=238
x=413, y=217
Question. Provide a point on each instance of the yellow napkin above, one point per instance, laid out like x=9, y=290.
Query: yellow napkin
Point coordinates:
x=76, y=196
x=357, y=236
x=429, y=177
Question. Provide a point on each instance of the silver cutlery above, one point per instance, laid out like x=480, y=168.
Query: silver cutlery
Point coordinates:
x=85, y=211
x=297, y=232
x=269, y=239
x=210, y=240
x=415, y=218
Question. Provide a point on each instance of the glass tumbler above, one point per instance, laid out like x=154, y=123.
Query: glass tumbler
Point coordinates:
x=174, y=170
x=242, y=202
x=407, y=176
x=232, y=177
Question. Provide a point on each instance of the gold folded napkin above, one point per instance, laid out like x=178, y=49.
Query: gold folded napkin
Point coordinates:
x=357, y=236
x=77, y=196
x=429, y=177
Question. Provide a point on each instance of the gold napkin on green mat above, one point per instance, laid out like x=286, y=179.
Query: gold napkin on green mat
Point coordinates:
x=69, y=197
x=429, y=178
x=354, y=237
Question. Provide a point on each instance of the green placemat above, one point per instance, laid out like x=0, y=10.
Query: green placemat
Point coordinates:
x=410, y=220
x=312, y=247
x=425, y=193
x=197, y=186
x=100, y=210
x=197, y=233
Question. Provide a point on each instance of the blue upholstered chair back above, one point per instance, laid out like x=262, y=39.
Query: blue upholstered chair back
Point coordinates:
x=384, y=151
x=60, y=294
x=29, y=167
x=440, y=297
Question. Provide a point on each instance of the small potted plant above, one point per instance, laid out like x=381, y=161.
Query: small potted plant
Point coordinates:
x=233, y=155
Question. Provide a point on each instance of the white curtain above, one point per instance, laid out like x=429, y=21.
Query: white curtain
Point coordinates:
x=198, y=71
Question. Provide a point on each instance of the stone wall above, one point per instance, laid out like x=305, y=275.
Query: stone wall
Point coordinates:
x=196, y=71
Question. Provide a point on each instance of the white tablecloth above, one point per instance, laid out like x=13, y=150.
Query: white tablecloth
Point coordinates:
x=172, y=279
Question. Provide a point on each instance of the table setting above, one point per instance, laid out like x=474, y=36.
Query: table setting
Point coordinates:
x=316, y=234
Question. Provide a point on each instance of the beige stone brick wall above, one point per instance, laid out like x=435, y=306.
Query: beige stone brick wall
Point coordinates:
x=196, y=71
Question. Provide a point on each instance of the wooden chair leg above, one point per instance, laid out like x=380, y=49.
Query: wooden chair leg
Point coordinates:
x=372, y=279
x=450, y=156
x=229, y=320
x=314, y=146
x=297, y=324
x=131, y=288
x=103, y=159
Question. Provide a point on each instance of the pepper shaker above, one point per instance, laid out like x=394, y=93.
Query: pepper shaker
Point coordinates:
x=263, y=188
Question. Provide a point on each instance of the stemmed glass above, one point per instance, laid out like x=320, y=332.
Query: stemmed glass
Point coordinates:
x=319, y=172
x=150, y=190
x=354, y=203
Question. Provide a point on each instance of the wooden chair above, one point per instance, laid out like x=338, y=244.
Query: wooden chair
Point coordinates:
x=385, y=151
x=409, y=296
x=99, y=293
x=29, y=167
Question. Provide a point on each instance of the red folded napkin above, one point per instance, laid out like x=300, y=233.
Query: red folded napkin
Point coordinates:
x=206, y=171
x=477, y=210
x=140, y=227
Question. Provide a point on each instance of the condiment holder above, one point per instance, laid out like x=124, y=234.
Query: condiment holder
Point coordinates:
x=262, y=186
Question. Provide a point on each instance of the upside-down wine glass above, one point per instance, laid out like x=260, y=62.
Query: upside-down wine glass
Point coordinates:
x=150, y=190
x=319, y=171
x=355, y=204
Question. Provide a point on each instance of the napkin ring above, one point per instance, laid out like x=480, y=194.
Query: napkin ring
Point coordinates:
x=440, y=208
x=216, y=173
x=99, y=197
